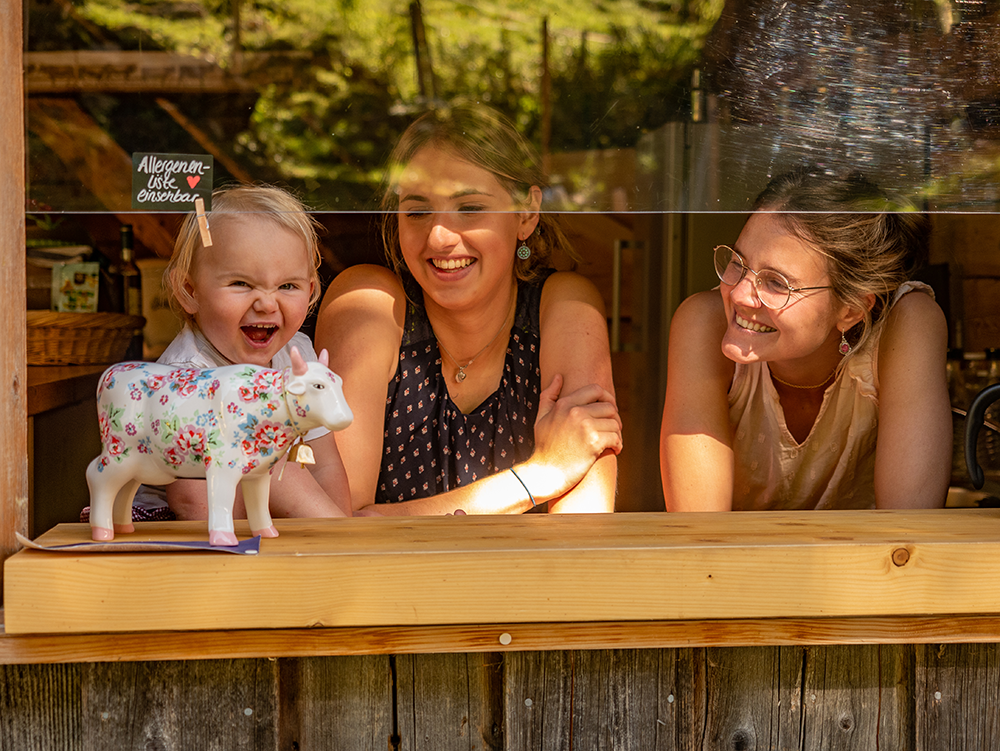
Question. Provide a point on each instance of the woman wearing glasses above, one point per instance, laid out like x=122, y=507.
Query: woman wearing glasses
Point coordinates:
x=816, y=379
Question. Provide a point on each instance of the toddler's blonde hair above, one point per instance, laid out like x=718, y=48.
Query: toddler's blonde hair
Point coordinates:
x=262, y=202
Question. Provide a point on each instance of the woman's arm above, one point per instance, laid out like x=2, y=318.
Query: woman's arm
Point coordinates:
x=913, y=453
x=574, y=345
x=696, y=454
x=572, y=431
x=327, y=475
x=360, y=324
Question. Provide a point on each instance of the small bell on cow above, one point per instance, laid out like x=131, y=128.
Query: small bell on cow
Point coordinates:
x=302, y=454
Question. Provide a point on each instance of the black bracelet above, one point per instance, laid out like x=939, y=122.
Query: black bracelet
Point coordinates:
x=530, y=496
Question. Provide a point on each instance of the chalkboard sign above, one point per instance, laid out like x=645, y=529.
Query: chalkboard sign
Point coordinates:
x=171, y=182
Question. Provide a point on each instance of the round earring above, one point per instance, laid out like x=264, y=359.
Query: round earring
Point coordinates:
x=845, y=346
x=524, y=252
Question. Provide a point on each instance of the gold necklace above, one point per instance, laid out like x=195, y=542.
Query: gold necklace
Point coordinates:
x=795, y=386
x=460, y=375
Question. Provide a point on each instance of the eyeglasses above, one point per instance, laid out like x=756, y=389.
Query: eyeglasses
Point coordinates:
x=772, y=288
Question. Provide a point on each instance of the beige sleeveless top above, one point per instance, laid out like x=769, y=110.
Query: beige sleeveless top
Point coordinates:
x=834, y=467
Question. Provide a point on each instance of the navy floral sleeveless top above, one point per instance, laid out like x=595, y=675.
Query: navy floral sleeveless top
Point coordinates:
x=430, y=446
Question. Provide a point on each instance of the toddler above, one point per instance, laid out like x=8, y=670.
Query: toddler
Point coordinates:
x=243, y=300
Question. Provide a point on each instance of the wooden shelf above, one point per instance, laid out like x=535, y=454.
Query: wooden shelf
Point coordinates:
x=30, y=649
x=50, y=387
x=470, y=571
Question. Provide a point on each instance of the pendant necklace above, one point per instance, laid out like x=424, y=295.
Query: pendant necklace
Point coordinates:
x=460, y=375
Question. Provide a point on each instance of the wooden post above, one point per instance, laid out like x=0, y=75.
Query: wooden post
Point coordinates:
x=422, y=53
x=236, y=61
x=204, y=140
x=13, y=417
x=546, y=98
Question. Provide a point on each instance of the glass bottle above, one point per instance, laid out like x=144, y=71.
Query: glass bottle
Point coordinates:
x=131, y=290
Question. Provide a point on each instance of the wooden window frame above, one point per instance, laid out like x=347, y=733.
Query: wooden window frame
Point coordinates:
x=935, y=557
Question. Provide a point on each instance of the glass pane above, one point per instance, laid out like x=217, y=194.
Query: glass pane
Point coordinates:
x=672, y=105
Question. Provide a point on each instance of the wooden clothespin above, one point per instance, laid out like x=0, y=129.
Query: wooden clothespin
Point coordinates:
x=206, y=236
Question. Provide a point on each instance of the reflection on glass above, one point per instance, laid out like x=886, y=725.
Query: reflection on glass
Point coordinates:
x=312, y=94
x=905, y=91
x=684, y=105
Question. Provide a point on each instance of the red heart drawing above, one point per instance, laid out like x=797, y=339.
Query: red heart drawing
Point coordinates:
x=193, y=180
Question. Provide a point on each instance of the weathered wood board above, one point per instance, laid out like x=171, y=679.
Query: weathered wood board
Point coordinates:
x=410, y=571
x=338, y=703
x=224, y=704
x=933, y=698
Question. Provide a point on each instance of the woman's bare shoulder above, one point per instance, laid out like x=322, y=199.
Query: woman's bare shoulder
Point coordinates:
x=366, y=296
x=914, y=307
x=695, y=357
x=569, y=286
x=363, y=279
x=361, y=318
x=701, y=313
x=914, y=321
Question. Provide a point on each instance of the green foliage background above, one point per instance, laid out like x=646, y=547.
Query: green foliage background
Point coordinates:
x=618, y=69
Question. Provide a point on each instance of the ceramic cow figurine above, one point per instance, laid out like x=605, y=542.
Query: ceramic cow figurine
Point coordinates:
x=229, y=425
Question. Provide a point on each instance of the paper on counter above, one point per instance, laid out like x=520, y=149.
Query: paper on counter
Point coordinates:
x=246, y=547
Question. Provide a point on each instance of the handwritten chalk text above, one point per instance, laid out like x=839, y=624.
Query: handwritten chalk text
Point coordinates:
x=150, y=165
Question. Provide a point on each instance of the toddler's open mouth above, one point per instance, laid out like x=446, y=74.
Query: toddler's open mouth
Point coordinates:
x=259, y=333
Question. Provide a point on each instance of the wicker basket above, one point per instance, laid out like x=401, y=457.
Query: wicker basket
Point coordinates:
x=79, y=338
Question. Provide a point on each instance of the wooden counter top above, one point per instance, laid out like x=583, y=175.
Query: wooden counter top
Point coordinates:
x=463, y=571
x=50, y=387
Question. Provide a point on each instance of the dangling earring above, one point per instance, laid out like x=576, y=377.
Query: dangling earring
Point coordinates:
x=524, y=252
x=845, y=346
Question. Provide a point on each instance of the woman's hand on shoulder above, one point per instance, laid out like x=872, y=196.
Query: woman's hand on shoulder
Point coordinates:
x=913, y=452
x=696, y=455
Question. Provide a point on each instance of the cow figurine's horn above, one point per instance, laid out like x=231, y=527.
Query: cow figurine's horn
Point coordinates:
x=299, y=367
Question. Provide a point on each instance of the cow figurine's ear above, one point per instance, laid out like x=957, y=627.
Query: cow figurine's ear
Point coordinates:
x=324, y=358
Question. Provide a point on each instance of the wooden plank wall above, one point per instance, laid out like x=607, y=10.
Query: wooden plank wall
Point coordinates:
x=924, y=697
x=13, y=379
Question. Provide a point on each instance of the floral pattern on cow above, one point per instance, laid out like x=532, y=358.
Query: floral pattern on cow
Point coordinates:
x=228, y=425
